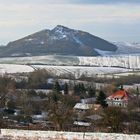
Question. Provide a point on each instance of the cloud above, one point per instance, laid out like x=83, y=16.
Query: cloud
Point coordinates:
x=27, y=17
x=90, y=13
x=99, y=1
x=71, y=1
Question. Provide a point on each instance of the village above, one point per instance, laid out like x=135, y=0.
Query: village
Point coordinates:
x=40, y=101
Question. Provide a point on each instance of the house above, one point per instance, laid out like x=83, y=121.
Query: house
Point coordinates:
x=39, y=115
x=84, y=111
x=83, y=106
x=81, y=109
x=88, y=100
x=119, y=98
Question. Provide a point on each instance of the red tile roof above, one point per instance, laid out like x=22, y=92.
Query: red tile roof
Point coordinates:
x=120, y=94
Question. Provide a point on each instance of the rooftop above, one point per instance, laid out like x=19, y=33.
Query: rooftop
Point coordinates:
x=83, y=106
x=120, y=94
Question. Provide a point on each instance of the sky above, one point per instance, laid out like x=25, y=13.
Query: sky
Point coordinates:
x=113, y=20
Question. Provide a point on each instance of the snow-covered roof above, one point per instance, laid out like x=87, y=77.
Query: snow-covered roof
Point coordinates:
x=83, y=106
x=80, y=123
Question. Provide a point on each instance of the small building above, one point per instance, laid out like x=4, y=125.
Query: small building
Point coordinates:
x=83, y=106
x=88, y=100
x=119, y=98
x=81, y=110
x=82, y=123
x=40, y=115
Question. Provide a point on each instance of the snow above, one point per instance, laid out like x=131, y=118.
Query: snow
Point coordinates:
x=59, y=33
x=30, y=39
x=15, y=134
x=80, y=123
x=12, y=68
x=77, y=40
x=42, y=42
x=127, y=74
x=58, y=37
x=28, y=59
x=126, y=61
x=89, y=66
x=103, y=53
x=127, y=44
x=77, y=71
x=41, y=116
x=15, y=54
x=83, y=106
x=28, y=54
x=46, y=91
x=127, y=48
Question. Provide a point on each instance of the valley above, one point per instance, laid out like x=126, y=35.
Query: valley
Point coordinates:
x=66, y=79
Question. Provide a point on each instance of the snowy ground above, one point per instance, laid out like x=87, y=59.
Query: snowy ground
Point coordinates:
x=13, y=68
x=125, y=61
x=13, y=134
x=127, y=48
x=79, y=70
x=48, y=59
x=60, y=70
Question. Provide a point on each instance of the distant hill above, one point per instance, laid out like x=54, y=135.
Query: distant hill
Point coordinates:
x=127, y=48
x=59, y=41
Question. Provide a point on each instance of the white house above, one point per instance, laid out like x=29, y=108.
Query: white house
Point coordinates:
x=119, y=98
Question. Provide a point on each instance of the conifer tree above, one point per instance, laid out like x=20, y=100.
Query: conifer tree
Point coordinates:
x=66, y=88
x=101, y=99
x=57, y=87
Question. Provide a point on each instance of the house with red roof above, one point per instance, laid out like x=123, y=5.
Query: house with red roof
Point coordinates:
x=120, y=98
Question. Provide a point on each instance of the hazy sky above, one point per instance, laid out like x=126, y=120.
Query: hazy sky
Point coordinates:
x=111, y=20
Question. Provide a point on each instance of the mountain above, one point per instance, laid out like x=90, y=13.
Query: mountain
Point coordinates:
x=59, y=41
x=127, y=48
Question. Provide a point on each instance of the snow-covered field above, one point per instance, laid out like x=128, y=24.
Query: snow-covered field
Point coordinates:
x=125, y=61
x=14, y=134
x=76, y=71
x=73, y=65
x=87, y=65
x=79, y=70
x=13, y=68
x=48, y=59
x=60, y=70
